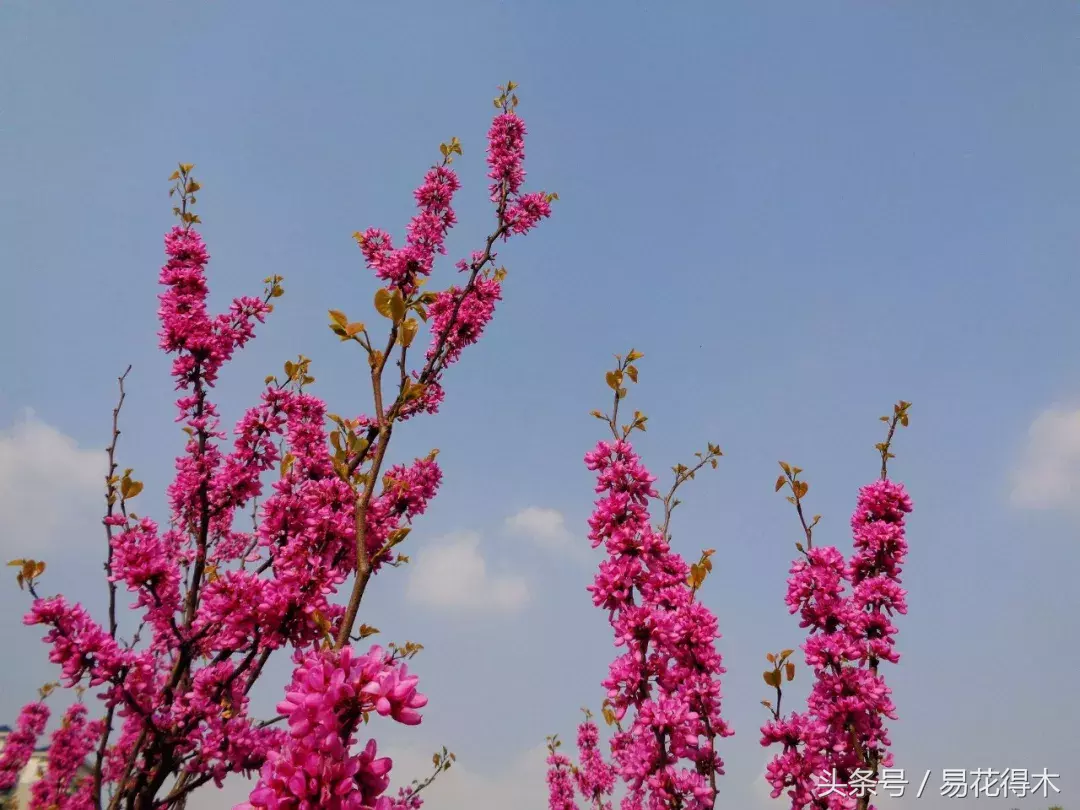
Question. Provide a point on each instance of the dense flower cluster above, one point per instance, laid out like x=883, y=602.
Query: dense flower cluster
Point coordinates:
x=212, y=601
x=669, y=676
x=79, y=644
x=560, y=780
x=458, y=317
x=595, y=778
x=329, y=697
x=426, y=234
x=842, y=730
x=20, y=743
x=506, y=155
x=62, y=787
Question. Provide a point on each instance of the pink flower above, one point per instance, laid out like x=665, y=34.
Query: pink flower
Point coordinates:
x=68, y=750
x=560, y=781
x=595, y=777
x=330, y=693
x=20, y=743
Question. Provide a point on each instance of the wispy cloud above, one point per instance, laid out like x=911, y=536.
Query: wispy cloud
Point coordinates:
x=547, y=529
x=48, y=486
x=451, y=572
x=1047, y=475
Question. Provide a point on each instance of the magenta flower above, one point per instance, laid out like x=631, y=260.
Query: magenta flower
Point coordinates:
x=20, y=743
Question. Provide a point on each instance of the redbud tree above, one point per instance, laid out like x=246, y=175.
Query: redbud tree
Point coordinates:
x=214, y=598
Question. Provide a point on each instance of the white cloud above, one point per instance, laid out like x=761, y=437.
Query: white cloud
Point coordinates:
x=762, y=792
x=547, y=528
x=48, y=485
x=452, y=573
x=1048, y=474
x=520, y=786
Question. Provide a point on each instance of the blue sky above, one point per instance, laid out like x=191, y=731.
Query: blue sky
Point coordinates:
x=799, y=212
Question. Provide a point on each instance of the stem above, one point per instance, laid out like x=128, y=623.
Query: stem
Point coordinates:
x=363, y=558
x=204, y=510
x=885, y=451
x=669, y=500
x=99, y=758
x=110, y=500
x=120, y=787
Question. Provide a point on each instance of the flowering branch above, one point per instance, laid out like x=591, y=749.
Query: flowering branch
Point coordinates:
x=842, y=732
x=668, y=681
x=217, y=601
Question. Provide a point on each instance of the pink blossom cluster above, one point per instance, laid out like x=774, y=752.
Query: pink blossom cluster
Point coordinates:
x=330, y=696
x=560, y=780
x=668, y=678
x=425, y=238
x=458, y=317
x=595, y=778
x=842, y=730
x=62, y=787
x=80, y=646
x=506, y=155
x=201, y=343
x=20, y=743
x=408, y=798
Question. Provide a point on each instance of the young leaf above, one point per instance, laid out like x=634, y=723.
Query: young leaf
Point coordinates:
x=408, y=332
x=382, y=303
x=397, y=306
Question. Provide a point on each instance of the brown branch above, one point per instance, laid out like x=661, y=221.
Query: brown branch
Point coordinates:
x=798, y=488
x=363, y=558
x=99, y=758
x=111, y=499
x=681, y=478
x=132, y=757
x=899, y=417
x=110, y=502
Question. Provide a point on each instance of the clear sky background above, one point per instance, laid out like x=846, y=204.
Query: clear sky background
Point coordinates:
x=799, y=212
